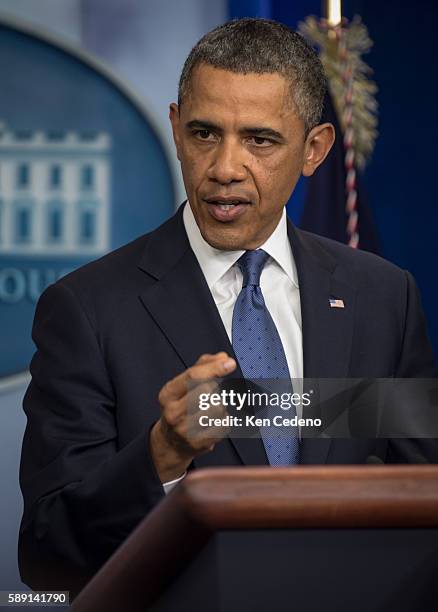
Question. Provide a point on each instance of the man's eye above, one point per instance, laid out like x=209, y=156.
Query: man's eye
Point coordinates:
x=260, y=142
x=204, y=134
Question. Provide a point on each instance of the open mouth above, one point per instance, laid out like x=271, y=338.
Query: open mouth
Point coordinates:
x=227, y=205
x=226, y=209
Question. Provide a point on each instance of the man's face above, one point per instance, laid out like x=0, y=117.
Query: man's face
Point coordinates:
x=242, y=149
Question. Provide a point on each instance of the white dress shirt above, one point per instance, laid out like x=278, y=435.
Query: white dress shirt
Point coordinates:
x=278, y=283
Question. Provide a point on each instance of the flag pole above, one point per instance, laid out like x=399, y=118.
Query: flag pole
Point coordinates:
x=333, y=12
x=336, y=34
x=341, y=46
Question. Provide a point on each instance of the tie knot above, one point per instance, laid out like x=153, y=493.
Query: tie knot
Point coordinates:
x=251, y=265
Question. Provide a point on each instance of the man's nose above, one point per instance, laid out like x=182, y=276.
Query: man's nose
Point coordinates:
x=228, y=164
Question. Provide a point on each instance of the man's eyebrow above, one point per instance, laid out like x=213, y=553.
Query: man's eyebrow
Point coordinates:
x=202, y=125
x=262, y=132
x=253, y=130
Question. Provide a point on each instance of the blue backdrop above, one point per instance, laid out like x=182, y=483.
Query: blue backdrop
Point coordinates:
x=400, y=178
x=47, y=89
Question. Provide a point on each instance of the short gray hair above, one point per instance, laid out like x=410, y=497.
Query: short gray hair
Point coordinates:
x=263, y=46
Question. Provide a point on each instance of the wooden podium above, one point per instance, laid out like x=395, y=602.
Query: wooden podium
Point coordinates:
x=362, y=538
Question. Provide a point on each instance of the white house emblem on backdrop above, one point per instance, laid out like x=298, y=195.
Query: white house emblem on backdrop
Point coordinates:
x=54, y=192
x=83, y=170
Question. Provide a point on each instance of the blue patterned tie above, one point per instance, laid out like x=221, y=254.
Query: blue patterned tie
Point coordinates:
x=259, y=350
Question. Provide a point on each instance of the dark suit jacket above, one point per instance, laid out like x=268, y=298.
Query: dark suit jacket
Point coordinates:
x=112, y=333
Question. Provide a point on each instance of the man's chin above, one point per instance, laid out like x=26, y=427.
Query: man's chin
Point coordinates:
x=224, y=240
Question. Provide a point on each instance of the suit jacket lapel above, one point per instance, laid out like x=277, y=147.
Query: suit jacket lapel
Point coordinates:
x=181, y=304
x=327, y=332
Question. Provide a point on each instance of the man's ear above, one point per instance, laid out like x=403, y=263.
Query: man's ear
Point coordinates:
x=318, y=144
x=175, y=121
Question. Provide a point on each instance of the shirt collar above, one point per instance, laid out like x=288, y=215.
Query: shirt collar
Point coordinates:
x=215, y=263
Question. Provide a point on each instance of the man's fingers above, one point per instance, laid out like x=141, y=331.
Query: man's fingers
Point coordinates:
x=193, y=404
x=176, y=410
x=197, y=399
x=214, y=368
x=190, y=429
x=183, y=397
x=209, y=357
x=206, y=428
x=207, y=367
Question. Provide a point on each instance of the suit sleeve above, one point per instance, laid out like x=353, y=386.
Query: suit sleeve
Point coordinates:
x=416, y=361
x=83, y=494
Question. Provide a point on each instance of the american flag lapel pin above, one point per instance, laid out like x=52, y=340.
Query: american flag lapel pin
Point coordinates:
x=336, y=303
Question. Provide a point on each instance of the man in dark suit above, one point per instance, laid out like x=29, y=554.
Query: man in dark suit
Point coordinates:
x=123, y=341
